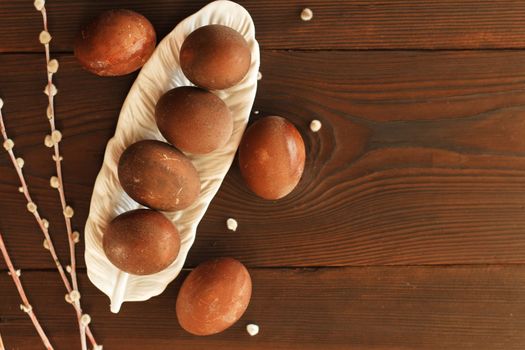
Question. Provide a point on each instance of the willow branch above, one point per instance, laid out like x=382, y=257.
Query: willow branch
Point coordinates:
x=73, y=296
x=25, y=306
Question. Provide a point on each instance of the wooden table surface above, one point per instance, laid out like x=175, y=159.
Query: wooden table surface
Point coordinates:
x=407, y=230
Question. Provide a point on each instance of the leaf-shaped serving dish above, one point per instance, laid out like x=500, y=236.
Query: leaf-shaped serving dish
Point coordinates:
x=137, y=122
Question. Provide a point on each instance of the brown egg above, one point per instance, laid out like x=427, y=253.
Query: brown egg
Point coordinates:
x=194, y=120
x=215, y=57
x=271, y=157
x=117, y=42
x=157, y=175
x=214, y=296
x=141, y=242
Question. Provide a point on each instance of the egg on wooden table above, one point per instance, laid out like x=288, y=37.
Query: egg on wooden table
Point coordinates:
x=159, y=176
x=117, y=42
x=271, y=157
x=194, y=120
x=141, y=242
x=215, y=57
x=214, y=296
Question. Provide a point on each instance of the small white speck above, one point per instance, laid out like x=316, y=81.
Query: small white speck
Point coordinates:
x=232, y=224
x=255, y=112
x=315, y=125
x=307, y=14
x=252, y=329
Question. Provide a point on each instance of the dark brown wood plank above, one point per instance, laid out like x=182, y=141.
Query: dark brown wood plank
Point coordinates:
x=420, y=159
x=344, y=308
x=428, y=24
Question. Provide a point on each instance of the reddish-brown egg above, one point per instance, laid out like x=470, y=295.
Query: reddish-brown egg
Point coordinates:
x=141, y=242
x=117, y=42
x=194, y=120
x=271, y=157
x=214, y=296
x=215, y=57
x=157, y=175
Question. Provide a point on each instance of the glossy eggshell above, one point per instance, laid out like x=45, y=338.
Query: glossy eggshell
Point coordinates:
x=117, y=42
x=141, y=242
x=214, y=296
x=157, y=175
x=194, y=120
x=215, y=57
x=271, y=157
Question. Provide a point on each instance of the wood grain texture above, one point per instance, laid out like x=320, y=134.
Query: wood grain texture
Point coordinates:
x=416, y=163
x=422, y=24
x=344, y=308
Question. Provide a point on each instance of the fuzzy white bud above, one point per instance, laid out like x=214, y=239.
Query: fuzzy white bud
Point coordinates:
x=17, y=272
x=21, y=189
x=75, y=236
x=50, y=90
x=59, y=158
x=68, y=268
x=44, y=37
x=85, y=319
x=48, y=141
x=9, y=144
x=46, y=244
x=27, y=309
x=74, y=295
x=56, y=136
x=31, y=207
x=20, y=162
x=45, y=223
x=52, y=66
x=54, y=182
x=39, y=4
x=69, y=212
x=259, y=76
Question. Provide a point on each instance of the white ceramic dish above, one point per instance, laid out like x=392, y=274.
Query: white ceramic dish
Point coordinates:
x=136, y=122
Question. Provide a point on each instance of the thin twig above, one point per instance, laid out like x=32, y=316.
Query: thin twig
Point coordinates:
x=25, y=306
x=2, y=347
x=53, y=140
x=43, y=225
